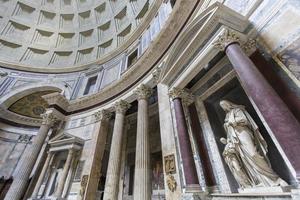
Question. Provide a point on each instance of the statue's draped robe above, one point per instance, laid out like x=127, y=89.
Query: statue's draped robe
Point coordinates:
x=243, y=134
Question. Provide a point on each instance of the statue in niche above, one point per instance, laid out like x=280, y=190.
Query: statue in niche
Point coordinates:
x=246, y=150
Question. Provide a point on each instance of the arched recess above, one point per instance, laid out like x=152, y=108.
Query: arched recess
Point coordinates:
x=7, y=100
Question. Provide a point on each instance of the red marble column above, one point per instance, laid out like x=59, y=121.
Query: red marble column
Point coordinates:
x=189, y=166
x=281, y=122
x=204, y=157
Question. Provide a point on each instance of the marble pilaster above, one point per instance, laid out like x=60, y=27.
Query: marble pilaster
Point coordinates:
x=19, y=185
x=99, y=139
x=142, y=179
x=113, y=170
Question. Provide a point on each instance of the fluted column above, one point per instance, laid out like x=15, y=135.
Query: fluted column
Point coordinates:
x=190, y=173
x=142, y=178
x=99, y=139
x=20, y=182
x=42, y=175
x=61, y=182
x=280, y=121
x=113, y=170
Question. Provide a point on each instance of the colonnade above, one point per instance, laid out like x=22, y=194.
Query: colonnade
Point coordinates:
x=279, y=119
x=28, y=160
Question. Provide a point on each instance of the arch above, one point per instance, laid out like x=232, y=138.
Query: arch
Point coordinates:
x=18, y=93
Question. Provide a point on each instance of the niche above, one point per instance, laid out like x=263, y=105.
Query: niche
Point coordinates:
x=234, y=92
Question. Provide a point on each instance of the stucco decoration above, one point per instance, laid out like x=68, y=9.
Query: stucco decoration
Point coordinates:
x=31, y=105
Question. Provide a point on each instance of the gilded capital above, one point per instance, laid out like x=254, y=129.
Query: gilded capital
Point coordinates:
x=102, y=115
x=226, y=38
x=249, y=46
x=143, y=92
x=186, y=97
x=121, y=106
x=49, y=118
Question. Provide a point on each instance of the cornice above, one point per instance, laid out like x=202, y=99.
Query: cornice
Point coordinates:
x=58, y=99
x=145, y=63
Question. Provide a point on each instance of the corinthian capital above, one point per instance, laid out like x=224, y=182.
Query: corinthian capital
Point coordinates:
x=102, y=115
x=121, y=106
x=143, y=92
x=183, y=94
x=49, y=117
x=227, y=37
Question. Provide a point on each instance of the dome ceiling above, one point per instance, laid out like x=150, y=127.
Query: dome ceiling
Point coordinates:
x=64, y=33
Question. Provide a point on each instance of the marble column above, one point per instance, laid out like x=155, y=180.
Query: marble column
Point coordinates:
x=142, y=178
x=280, y=121
x=20, y=182
x=180, y=96
x=113, y=170
x=42, y=175
x=62, y=180
x=209, y=177
x=99, y=140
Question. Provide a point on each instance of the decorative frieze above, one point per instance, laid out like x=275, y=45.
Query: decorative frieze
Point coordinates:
x=226, y=38
x=102, y=115
x=186, y=97
x=24, y=138
x=121, y=106
x=143, y=92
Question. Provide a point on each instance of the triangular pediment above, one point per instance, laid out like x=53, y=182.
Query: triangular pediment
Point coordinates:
x=62, y=136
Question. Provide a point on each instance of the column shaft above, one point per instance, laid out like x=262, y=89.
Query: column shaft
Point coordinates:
x=203, y=152
x=42, y=175
x=280, y=120
x=187, y=157
x=142, y=179
x=20, y=182
x=113, y=171
x=61, y=183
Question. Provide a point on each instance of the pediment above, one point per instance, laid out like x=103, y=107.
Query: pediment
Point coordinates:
x=64, y=138
x=61, y=136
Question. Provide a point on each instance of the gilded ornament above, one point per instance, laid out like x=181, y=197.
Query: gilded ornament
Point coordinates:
x=171, y=182
x=170, y=166
x=225, y=39
x=83, y=183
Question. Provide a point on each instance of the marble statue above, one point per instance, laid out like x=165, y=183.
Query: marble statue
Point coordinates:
x=246, y=150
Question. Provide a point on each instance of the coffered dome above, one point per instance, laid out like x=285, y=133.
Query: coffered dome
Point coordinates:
x=57, y=34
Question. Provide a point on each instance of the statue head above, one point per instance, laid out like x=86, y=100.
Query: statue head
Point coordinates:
x=228, y=105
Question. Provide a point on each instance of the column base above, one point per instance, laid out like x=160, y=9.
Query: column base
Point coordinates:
x=262, y=190
x=196, y=196
x=266, y=196
x=193, y=188
x=211, y=189
x=47, y=198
